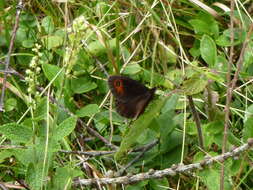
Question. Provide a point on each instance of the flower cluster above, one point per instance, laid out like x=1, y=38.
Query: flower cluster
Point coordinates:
x=32, y=75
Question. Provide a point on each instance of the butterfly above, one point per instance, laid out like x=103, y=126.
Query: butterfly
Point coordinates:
x=131, y=97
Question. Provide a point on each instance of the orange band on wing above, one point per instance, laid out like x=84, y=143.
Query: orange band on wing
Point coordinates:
x=118, y=85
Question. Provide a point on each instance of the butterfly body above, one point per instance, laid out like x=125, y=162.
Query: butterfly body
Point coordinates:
x=131, y=96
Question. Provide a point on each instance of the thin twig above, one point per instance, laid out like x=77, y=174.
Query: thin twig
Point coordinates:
x=3, y=187
x=229, y=91
x=12, y=147
x=152, y=174
x=21, y=182
x=7, y=61
x=144, y=150
x=197, y=121
x=88, y=153
x=231, y=86
x=101, y=153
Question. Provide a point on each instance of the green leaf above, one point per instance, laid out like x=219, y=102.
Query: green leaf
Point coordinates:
x=205, y=24
x=208, y=50
x=82, y=85
x=138, y=127
x=249, y=113
x=16, y=132
x=171, y=103
x=248, y=55
x=248, y=129
x=29, y=43
x=52, y=41
x=200, y=26
x=63, y=177
x=224, y=39
x=214, y=77
x=211, y=178
x=53, y=72
x=132, y=69
x=34, y=176
x=48, y=24
x=10, y=104
x=96, y=48
x=157, y=184
x=65, y=128
x=5, y=154
x=194, y=85
x=88, y=110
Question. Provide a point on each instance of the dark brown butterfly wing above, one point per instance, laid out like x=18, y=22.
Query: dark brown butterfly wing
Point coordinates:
x=131, y=96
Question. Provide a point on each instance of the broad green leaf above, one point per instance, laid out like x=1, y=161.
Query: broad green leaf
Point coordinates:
x=21, y=35
x=34, y=176
x=52, y=41
x=96, y=48
x=88, y=110
x=16, y=132
x=156, y=184
x=139, y=126
x=29, y=43
x=214, y=77
x=200, y=26
x=63, y=177
x=248, y=129
x=208, y=50
x=225, y=39
x=249, y=113
x=211, y=178
x=170, y=103
x=194, y=85
x=248, y=55
x=10, y=104
x=48, y=24
x=132, y=69
x=53, y=72
x=170, y=141
x=5, y=154
x=65, y=128
x=41, y=109
x=82, y=85
x=205, y=24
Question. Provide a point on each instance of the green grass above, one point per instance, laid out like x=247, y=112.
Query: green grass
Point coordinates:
x=65, y=53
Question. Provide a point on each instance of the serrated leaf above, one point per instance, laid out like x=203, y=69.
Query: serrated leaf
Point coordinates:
x=53, y=72
x=139, y=126
x=208, y=50
x=65, y=128
x=16, y=132
x=88, y=110
x=194, y=85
